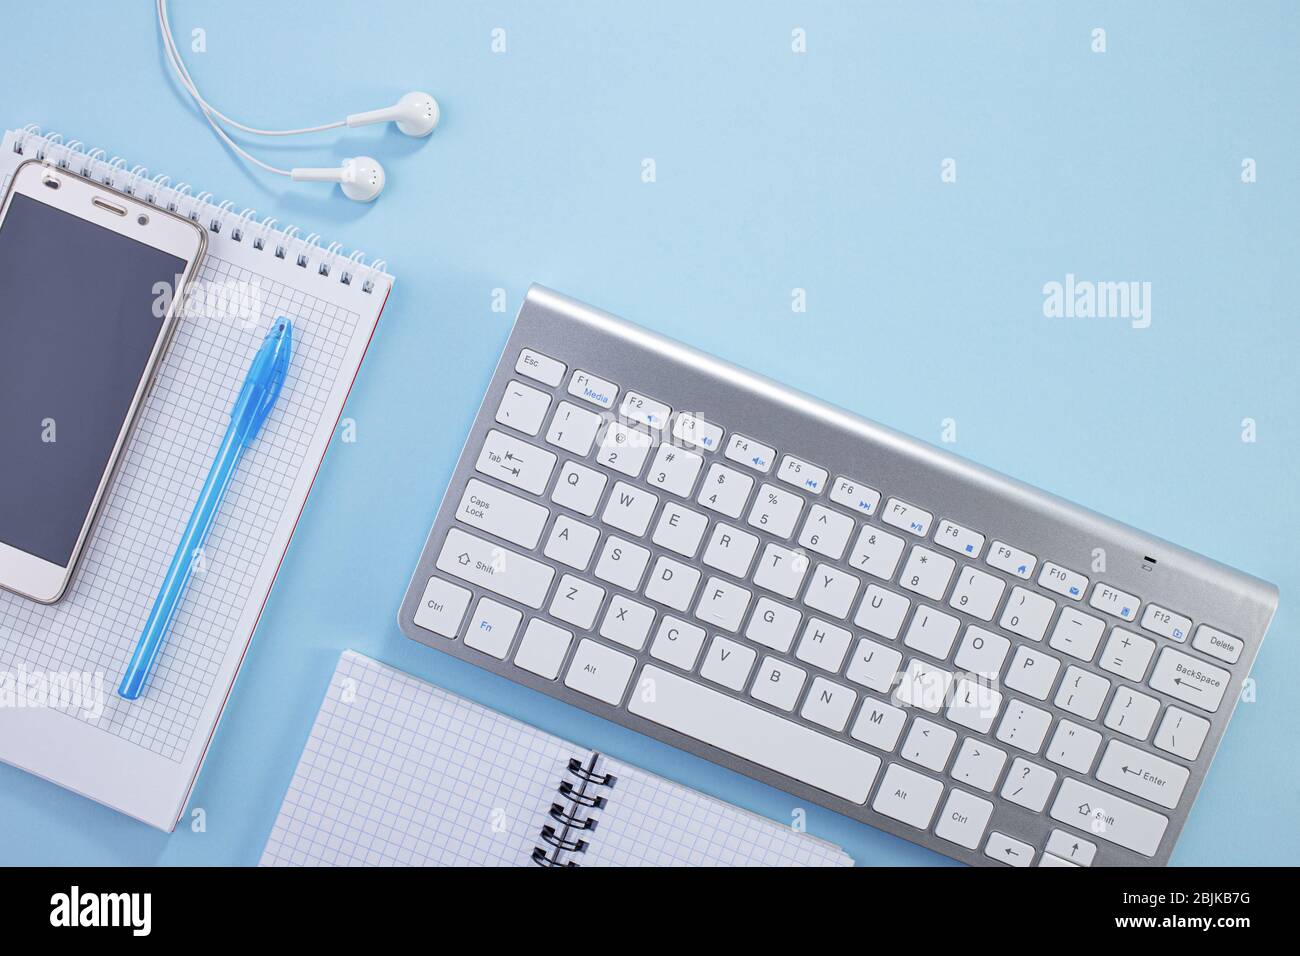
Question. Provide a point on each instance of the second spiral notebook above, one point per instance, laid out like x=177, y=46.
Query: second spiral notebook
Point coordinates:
x=399, y=772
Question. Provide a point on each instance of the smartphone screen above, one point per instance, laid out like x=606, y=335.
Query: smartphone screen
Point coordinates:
x=78, y=322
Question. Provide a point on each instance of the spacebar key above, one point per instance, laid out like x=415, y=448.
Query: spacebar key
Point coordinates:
x=495, y=568
x=754, y=734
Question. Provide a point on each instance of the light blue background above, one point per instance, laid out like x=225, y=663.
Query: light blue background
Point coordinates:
x=775, y=171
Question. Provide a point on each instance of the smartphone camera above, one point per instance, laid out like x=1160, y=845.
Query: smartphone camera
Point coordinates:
x=142, y=220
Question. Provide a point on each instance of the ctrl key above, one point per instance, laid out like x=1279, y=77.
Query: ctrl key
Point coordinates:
x=442, y=607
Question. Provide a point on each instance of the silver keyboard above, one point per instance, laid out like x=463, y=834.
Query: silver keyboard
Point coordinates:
x=829, y=606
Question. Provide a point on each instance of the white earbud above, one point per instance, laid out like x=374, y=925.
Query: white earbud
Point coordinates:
x=361, y=178
x=416, y=114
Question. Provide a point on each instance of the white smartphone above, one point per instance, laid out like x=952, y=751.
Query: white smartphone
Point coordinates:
x=91, y=289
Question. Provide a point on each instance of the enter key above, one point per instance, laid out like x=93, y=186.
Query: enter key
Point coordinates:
x=1142, y=774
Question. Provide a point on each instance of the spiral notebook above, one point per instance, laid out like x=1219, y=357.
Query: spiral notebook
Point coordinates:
x=141, y=757
x=399, y=772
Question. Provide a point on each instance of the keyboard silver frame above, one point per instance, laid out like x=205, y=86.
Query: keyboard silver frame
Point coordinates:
x=895, y=465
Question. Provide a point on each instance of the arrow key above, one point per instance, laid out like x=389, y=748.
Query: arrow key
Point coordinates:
x=1006, y=850
x=1071, y=848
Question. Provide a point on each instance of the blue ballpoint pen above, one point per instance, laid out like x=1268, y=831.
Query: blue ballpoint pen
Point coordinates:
x=261, y=387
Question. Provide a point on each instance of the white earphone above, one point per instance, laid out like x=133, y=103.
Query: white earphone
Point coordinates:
x=361, y=178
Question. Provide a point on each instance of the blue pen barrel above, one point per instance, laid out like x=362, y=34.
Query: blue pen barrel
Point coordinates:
x=182, y=566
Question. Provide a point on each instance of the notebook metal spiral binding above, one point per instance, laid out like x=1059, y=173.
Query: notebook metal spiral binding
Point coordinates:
x=573, y=815
x=158, y=191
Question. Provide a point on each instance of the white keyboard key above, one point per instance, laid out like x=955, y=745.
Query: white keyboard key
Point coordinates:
x=1028, y=784
x=492, y=628
x=1191, y=681
x=1132, y=713
x=731, y=550
x=498, y=512
x=1012, y=560
x=1127, y=654
x=756, y=735
x=728, y=663
x=855, y=495
x=882, y=612
x=600, y=672
x=629, y=508
x=801, y=474
x=1166, y=623
x=677, y=643
x=1114, y=601
x=696, y=431
x=645, y=411
x=1109, y=817
x=963, y=819
x=1006, y=850
x=723, y=604
x=540, y=368
x=1142, y=774
x=523, y=408
x=1024, y=726
x=907, y=796
x=977, y=593
x=1077, y=634
x=680, y=529
x=672, y=583
x=923, y=685
x=908, y=517
x=831, y=591
x=929, y=744
x=974, y=705
x=876, y=552
x=1216, y=643
x=1032, y=673
x=982, y=652
x=874, y=665
x=725, y=490
x=627, y=622
x=1063, y=581
x=932, y=632
x=573, y=429
x=828, y=704
x=1071, y=848
x=954, y=537
x=879, y=724
x=775, y=511
x=1073, y=746
x=495, y=569
x=826, y=532
x=1027, y=614
x=593, y=389
x=442, y=606
x=1082, y=693
x=1181, y=733
x=543, y=648
x=927, y=572
x=778, y=683
x=515, y=462
x=751, y=453
x=978, y=764
x=823, y=645
x=773, y=625
x=624, y=449
x=577, y=602
x=571, y=542
x=780, y=570
x=674, y=470
x=622, y=563
x=579, y=488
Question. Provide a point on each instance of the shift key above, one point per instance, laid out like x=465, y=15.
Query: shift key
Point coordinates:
x=495, y=568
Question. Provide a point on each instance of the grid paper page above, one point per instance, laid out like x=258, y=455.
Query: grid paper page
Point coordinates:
x=399, y=772
x=94, y=629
